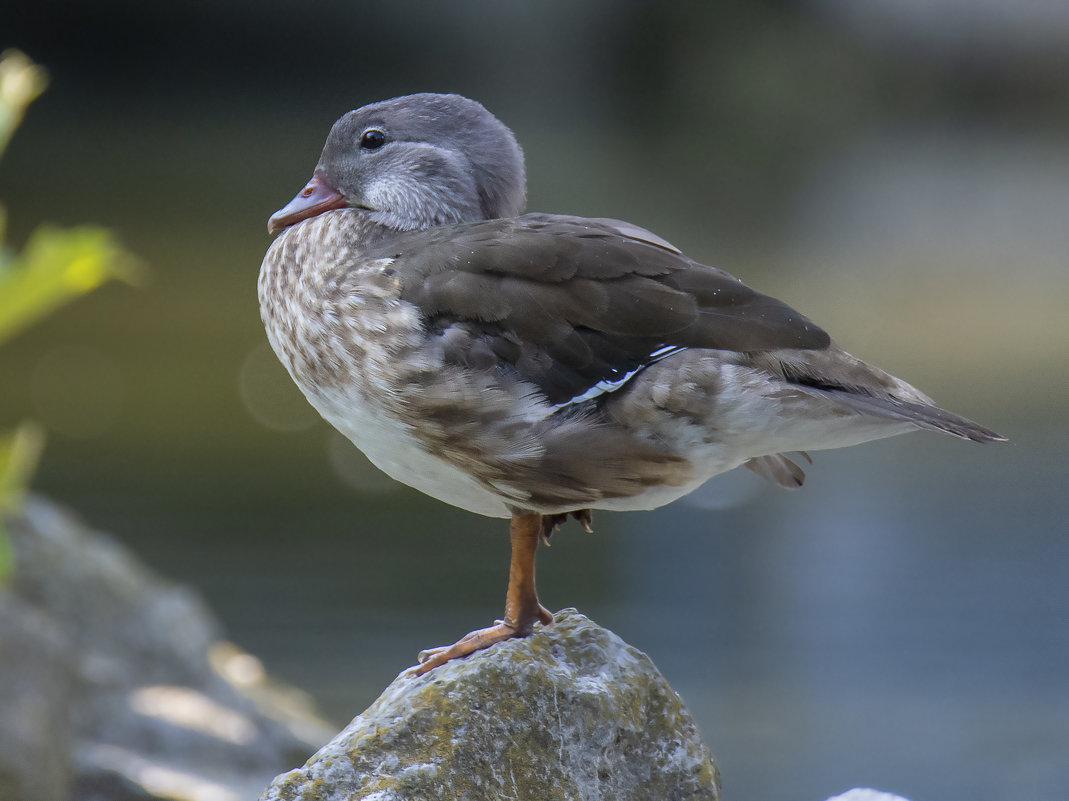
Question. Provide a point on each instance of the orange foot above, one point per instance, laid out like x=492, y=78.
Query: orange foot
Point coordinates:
x=477, y=640
x=522, y=609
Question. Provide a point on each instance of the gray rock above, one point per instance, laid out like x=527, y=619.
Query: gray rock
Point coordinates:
x=867, y=794
x=117, y=685
x=572, y=712
x=36, y=685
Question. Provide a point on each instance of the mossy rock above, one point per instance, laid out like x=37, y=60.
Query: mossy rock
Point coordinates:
x=571, y=712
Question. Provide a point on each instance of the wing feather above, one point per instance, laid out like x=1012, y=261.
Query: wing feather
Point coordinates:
x=570, y=302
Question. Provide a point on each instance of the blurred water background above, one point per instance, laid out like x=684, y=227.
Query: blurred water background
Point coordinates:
x=899, y=171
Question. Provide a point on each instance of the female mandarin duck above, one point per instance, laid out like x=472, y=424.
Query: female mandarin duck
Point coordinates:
x=535, y=366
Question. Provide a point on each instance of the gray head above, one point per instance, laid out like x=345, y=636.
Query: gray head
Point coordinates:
x=414, y=162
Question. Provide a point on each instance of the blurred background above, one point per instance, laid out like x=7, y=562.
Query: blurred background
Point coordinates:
x=898, y=171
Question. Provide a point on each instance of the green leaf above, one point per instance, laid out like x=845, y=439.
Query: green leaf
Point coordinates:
x=20, y=452
x=56, y=266
x=21, y=81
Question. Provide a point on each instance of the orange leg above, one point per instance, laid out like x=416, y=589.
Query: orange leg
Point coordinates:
x=522, y=609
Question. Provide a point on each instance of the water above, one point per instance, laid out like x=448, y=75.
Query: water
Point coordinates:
x=901, y=622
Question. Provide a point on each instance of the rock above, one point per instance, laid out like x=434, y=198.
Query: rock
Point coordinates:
x=36, y=683
x=117, y=685
x=571, y=712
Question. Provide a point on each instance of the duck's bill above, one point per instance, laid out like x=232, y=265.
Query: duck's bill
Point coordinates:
x=316, y=197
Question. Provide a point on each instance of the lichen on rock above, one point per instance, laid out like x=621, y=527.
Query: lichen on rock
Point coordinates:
x=571, y=712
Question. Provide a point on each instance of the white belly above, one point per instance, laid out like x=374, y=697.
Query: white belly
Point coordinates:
x=391, y=447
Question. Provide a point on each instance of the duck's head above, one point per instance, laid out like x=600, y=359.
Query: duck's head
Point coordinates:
x=415, y=162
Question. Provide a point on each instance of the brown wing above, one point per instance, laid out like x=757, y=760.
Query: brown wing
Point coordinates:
x=570, y=302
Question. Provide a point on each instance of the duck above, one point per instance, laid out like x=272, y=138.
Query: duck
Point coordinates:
x=536, y=366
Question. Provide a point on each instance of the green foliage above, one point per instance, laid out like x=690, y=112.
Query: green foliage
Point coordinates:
x=21, y=81
x=19, y=452
x=56, y=266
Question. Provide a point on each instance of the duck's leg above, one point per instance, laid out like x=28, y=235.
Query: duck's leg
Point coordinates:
x=522, y=609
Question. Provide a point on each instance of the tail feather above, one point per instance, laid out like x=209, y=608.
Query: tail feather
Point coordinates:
x=923, y=415
x=848, y=381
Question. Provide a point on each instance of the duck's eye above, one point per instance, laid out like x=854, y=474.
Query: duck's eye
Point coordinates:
x=372, y=139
